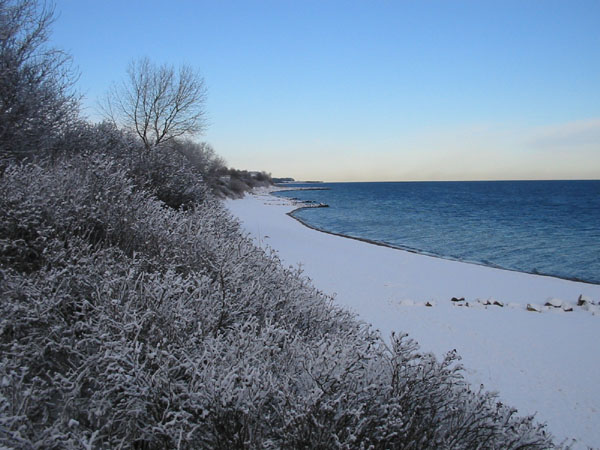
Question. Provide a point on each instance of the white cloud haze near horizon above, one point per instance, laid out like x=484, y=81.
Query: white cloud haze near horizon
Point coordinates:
x=564, y=151
x=368, y=91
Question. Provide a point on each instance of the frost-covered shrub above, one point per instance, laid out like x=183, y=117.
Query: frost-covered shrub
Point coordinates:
x=91, y=197
x=37, y=102
x=86, y=139
x=174, y=177
x=87, y=197
x=235, y=183
x=169, y=176
x=126, y=323
x=202, y=157
x=238, y=187
x=134, y=313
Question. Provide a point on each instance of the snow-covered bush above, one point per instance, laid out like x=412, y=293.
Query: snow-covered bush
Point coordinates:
x=37, y=103
x=86, y=139
x=202, y=157
x=168, y=175
x=135, y=314
x=126, y=323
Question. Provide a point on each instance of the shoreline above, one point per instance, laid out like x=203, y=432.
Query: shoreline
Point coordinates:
x=424, y=253
x=297, y=205
x=401, y=248
x=541, y=359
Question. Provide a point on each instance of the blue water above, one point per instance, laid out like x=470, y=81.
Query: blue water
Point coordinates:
x=545, y=227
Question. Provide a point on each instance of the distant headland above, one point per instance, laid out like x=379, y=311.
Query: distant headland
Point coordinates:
x=292, y=180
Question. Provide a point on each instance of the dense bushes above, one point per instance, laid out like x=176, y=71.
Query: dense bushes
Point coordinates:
x=36, y=101
x=125, y=322
x=134, y=313
x=235, y=183
x=178, y=173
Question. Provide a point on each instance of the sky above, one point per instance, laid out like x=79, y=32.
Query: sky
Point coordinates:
x=367, y=90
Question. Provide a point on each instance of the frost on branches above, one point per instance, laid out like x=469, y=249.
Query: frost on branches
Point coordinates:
x=135, y=314
x=127, y=323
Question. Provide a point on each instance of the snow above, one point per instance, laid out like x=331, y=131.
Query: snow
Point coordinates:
x=555, y=302
x=544, y=361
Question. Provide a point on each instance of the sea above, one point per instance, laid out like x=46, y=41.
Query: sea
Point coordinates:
x=542, y=227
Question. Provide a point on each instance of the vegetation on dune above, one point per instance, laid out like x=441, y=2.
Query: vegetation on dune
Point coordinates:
x=136, y=314
x=127, y=322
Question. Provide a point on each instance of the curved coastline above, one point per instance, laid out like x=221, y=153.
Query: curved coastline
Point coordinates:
x=420, y=252
x=543, y=362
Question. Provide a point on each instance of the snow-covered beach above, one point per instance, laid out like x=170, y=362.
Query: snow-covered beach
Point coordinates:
x=541, y=359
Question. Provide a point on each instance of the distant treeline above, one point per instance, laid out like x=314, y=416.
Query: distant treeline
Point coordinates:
x=283, y=180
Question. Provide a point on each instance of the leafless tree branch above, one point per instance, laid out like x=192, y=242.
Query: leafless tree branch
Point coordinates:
x=158, y=103
x=36, y=81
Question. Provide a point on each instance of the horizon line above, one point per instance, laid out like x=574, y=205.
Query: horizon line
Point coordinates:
x=441, y=181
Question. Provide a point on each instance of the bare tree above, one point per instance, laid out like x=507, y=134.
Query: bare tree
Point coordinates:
x=158, y=102
x=36, y=99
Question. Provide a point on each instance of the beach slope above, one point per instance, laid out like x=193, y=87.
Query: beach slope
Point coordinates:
x=542, y=359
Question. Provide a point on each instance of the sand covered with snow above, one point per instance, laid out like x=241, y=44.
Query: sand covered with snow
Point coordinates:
x=541, y=359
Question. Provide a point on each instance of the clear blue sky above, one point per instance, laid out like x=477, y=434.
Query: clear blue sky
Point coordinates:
x=368, y=90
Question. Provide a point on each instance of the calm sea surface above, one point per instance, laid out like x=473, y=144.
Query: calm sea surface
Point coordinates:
x=546, y=227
